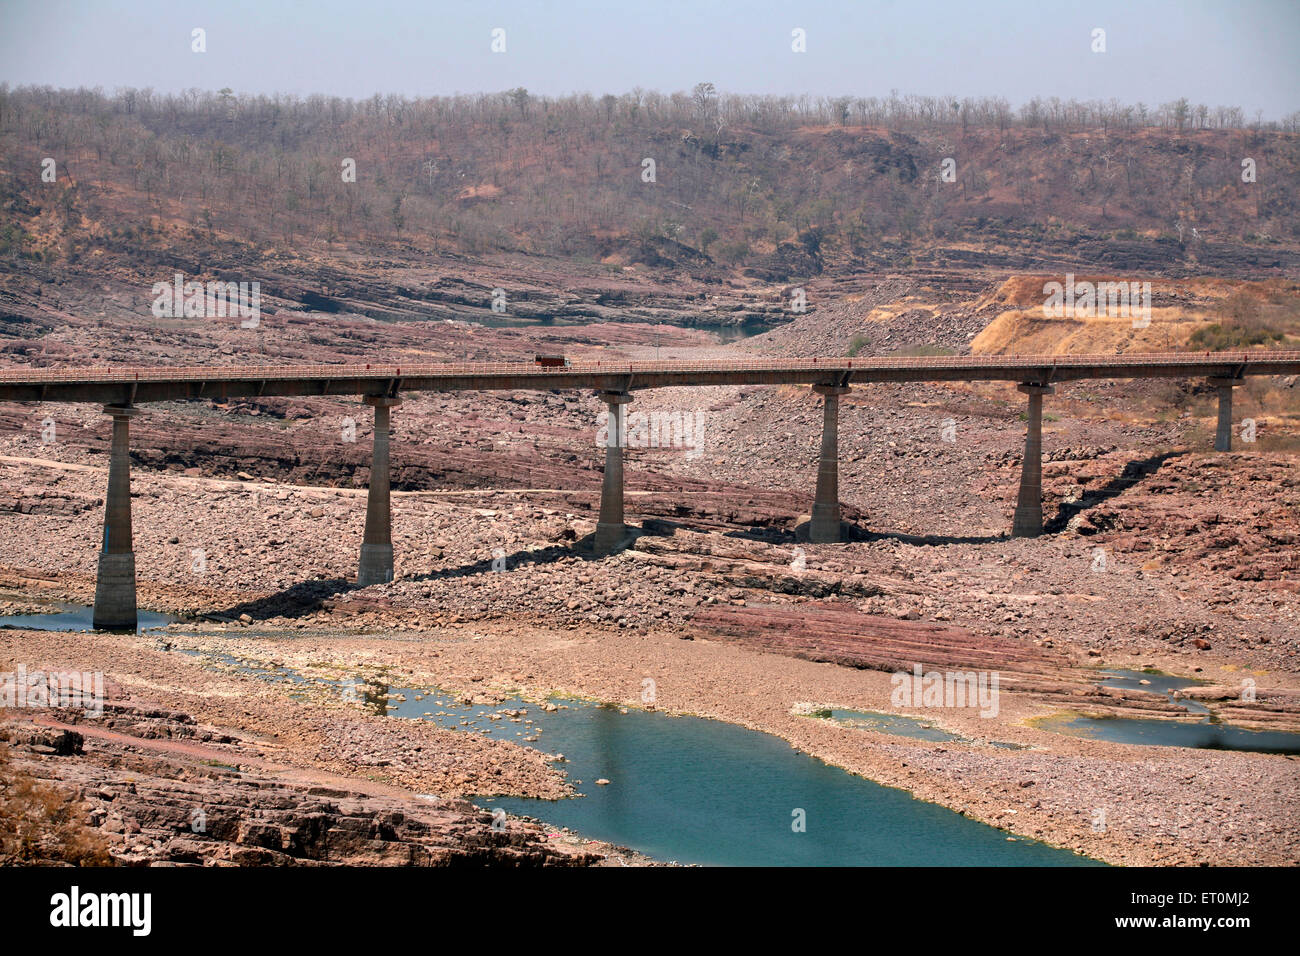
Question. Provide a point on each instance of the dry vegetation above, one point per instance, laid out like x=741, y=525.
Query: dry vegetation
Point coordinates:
x=41, y=824
x=1202, y=314
x=769, y=185
x=1266, y=317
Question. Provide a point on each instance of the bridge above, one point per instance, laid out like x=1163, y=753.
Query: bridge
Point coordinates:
x=122, y=390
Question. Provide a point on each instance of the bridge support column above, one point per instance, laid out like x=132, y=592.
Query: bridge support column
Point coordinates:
x=115, y=580
x=610, y=529
x=1223, y=434
x=825, y=525
x=1028, y=520
x=377, y=545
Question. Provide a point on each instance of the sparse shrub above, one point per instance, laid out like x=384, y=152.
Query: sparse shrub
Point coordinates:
x=1218, y=337
x=12, y=239
x=733, y=253
x=918, y=351
x=809, y=709
x=1247, y=321
x=41, y=824
x=707, y=238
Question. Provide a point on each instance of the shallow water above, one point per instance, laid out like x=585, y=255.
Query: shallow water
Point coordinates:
x=1204, y=734
x=900, y=725
x=704, y=791
x=76, y=617
x=723, y=333
x=894, y=724
x=1156, y=683
x=734, y=333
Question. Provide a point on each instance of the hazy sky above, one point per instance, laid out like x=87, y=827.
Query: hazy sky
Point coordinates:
x=1220, y=52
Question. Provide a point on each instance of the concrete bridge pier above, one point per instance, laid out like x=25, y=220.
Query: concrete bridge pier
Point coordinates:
x=377, y=545
x=1028, y=520
x=115, y=580
x=1223, y=434
x=825, y=525
x=610, y=529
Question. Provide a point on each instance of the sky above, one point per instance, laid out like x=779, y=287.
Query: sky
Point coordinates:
x=1218, y=52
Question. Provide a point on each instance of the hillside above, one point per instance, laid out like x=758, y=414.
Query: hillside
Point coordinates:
x=1183, y=314
x=764, y=190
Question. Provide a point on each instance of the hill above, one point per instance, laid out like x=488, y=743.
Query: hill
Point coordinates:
x=711, y=186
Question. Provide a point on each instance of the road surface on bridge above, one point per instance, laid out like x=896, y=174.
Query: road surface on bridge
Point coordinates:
x=130, y=385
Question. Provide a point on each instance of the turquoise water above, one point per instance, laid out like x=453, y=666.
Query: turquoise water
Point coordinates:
x=900, y=725
x=1204, y=734
x=691, y=790
x=895, y=724
x=703, y=791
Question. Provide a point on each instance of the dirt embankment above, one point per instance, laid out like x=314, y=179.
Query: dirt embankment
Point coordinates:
x=1103, y=314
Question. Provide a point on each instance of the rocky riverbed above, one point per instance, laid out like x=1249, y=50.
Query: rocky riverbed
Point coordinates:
x=248, y=519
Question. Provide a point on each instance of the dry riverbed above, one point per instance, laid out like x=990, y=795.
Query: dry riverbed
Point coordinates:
x=1160, y=805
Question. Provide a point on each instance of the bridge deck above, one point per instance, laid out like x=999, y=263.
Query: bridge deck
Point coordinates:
x=153, y=384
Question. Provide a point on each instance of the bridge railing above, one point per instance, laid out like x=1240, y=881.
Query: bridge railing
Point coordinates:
x=373, y=371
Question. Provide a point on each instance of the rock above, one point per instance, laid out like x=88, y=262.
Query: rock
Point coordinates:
x=143, y=808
